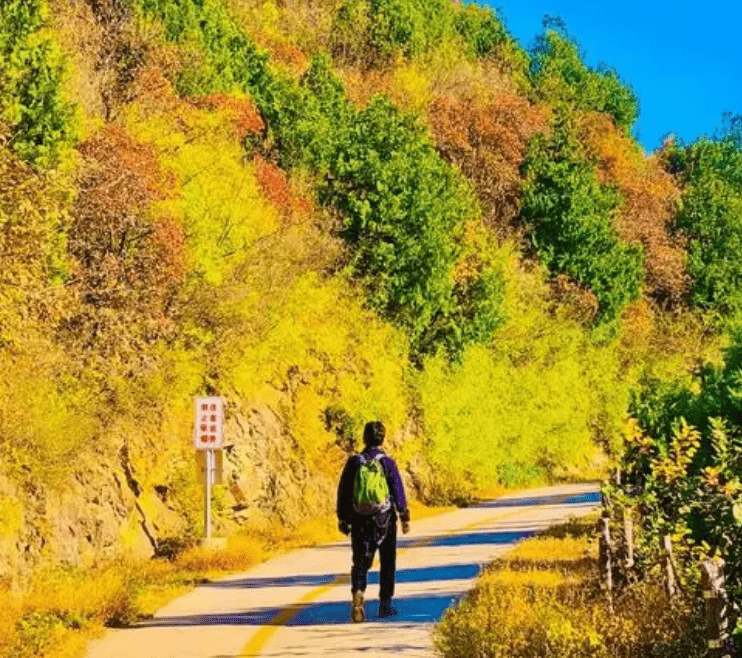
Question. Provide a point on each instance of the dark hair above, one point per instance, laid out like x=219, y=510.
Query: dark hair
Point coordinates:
x=374, y=433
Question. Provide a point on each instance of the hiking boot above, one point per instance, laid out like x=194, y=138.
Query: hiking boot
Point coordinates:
x=357, y=613
x=386, y=609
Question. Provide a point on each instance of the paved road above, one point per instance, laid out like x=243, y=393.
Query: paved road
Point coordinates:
x=297, y=605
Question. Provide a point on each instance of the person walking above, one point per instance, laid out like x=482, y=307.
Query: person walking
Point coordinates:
x=369, y=498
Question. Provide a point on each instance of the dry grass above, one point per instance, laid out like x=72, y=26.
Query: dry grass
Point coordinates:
x=543, y=600
x=419, y=510
x=63, y=608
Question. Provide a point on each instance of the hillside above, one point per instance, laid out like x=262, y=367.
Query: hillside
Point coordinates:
x=327, y=212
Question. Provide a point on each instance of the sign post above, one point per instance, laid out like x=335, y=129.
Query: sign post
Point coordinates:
x=207, y=497
x=208, y=437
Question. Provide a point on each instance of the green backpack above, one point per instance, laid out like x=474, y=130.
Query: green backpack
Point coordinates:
x=370, y=489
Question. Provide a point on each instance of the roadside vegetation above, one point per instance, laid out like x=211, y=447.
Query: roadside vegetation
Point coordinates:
x=544, y=599
x=681, y=478
x=63, y=608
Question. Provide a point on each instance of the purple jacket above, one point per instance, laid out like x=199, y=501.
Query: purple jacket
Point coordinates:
x=347, y=480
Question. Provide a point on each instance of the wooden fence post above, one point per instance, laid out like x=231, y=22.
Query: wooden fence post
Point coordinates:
x=714, y=593
x=604, y=556
x=668, y=568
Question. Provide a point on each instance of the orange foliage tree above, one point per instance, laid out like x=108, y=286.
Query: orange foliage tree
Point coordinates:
x=651, y=197
x=128, y=260
x=488, y=143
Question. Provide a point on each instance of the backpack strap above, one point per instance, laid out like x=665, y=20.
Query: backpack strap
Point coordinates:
x=362, y=459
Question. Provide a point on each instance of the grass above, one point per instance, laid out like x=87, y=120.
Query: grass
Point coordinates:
x=419, y=510
x=63, y=608
x=543, y=600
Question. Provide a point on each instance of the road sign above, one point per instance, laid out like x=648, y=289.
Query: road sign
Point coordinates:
x=209, y=430
x=208, y=436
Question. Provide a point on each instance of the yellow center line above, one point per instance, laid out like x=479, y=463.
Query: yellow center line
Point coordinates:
x=256, y=643
x=291, y=610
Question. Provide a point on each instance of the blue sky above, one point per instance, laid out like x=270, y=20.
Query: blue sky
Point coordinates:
x=684, y=61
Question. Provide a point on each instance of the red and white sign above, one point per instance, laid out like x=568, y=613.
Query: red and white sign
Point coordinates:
x=209, y=431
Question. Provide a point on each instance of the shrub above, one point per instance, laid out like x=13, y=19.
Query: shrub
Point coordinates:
x=33, y=220
x=682, y=461
x=245, y=118
x=476, y=314
x=218, y=204
x=571, y=395
x=129, y=259
x=48, y=413
x=488, y=143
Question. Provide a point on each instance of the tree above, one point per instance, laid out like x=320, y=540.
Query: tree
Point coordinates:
x=570, y=217
x=373, y=32
x=402, y=208
x=488, y=144
x=559, y=75
x=31, y=75
x=710, y=216
x=127, y=258
x=647, y=215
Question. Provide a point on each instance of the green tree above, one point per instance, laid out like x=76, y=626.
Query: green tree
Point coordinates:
x=409, y=27
x=31, y=75
x=228, y=59
x=569, y=216
x=558, y=74
x=480, y=28
x=402, y=209
x=710, y=216
x=309, y=122
x=374, y=31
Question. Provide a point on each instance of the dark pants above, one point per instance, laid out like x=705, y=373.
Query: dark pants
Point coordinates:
x=366, y=534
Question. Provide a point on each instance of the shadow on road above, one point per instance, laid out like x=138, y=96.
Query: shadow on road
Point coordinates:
x=412, y=610
x=588, y=498
x=470, y=538
x=447, y=572
x=317, y=580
